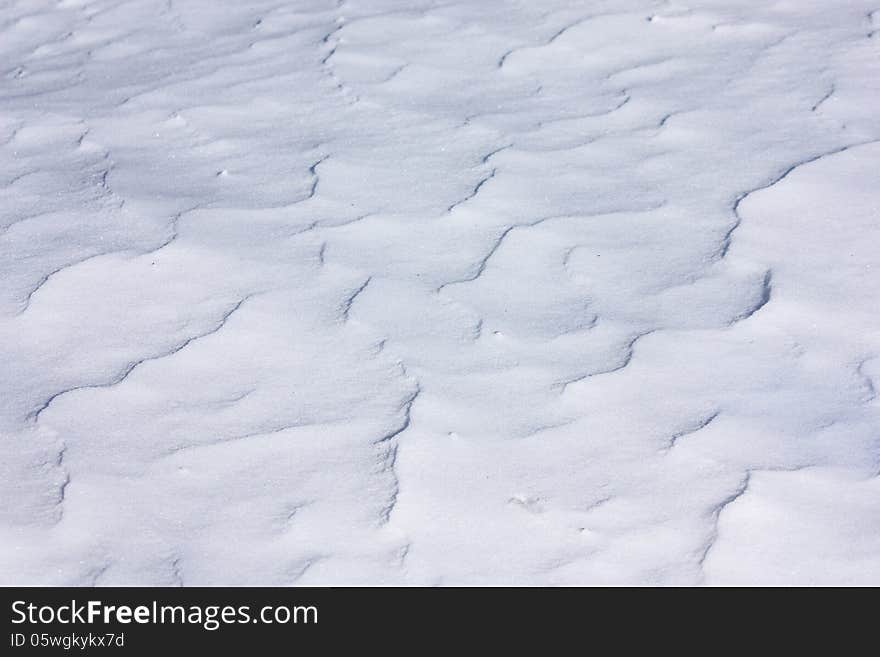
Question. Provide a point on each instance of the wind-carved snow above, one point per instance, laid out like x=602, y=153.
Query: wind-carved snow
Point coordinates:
x=439, y=292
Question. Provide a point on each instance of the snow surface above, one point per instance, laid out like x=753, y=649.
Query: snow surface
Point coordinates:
x=439, y=292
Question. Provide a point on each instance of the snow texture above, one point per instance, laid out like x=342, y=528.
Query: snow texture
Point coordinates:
x=439, y=292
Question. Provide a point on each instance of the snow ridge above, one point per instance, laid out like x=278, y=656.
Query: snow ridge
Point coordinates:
x=534, y=293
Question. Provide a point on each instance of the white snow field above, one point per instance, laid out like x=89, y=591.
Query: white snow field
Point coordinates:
x=422, y=292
